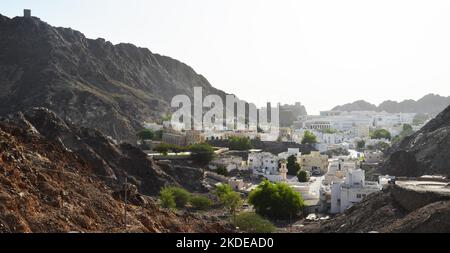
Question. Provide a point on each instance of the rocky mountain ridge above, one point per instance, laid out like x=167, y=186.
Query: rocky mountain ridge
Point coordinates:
x=55, y=177
x=429, y=104
x=112, y=88
x=426, y=152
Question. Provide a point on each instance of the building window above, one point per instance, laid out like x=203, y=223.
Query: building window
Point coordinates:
x=358, y=196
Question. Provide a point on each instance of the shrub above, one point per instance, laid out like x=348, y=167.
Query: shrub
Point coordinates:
x=229, y=198
x=167, y=199
x=180, y=197
x=253, y=223
x=200, y=202
x=232, y=201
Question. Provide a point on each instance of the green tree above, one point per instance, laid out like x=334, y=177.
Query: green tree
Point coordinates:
x=381, y=134
x=302, y=176
x=162, y=148
x=360, y=145
x=232, y=201
x=221, y=170
x=253, y=223
x=292, y=165
x=309, y=138
x=145, y=134
x=221, y=190
x=200, y=202
x=276, y=201
x=229, y=198
x=201, y=153
x=239, y=143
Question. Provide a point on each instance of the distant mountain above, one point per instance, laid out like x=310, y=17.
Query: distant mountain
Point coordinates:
x=112, y=88
x=359, y=105
x=429, y=104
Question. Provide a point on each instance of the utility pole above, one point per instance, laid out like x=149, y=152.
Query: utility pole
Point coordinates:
x=125, y=199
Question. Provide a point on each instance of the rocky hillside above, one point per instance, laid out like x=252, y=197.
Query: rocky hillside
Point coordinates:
x=48, y=184
x=94, y=83
x=429, y=104
x=394, y=210
x=425, y=152
x=106, y=158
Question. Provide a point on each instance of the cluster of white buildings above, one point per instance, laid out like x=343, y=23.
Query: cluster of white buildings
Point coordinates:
x=348, y=127
x=344, y=185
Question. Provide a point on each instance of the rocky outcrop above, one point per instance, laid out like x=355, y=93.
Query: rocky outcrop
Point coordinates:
x=393, y=210
x=112, y=88
x=47, y=186
x=425, y=152
x=106, y=158
x=429, y=104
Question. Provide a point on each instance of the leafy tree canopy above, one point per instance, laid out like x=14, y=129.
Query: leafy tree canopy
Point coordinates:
x=309, y=138
x=276, y=201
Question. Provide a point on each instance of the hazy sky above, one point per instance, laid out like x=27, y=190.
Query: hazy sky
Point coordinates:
x=321, y=53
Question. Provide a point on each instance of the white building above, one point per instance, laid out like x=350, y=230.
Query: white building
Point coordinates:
x=373, y=156
x=352, y=190
x=229, y=162
x=265, y=164
x=290, y=152
x=338, y=169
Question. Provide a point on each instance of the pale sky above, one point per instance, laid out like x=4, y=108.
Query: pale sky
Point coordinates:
x=320, y=53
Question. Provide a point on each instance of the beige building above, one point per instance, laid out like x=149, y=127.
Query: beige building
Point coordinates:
x=314, y=162
x=194, y=137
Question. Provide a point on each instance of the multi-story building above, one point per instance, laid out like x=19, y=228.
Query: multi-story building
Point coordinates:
x=314, y=162
x=351, y=190
x=264, y=164
x=338, y=169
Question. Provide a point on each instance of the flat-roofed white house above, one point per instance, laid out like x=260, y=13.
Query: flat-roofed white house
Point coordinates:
x=351, y=190
x=338, y=169
x=265, y=164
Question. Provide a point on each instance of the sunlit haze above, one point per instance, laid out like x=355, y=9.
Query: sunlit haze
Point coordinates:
x=320, y=53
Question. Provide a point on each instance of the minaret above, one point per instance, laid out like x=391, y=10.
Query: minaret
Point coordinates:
x=283, y=170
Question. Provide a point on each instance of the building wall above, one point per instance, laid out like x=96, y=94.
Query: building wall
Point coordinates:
x=314, y=161
x=174, y=138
